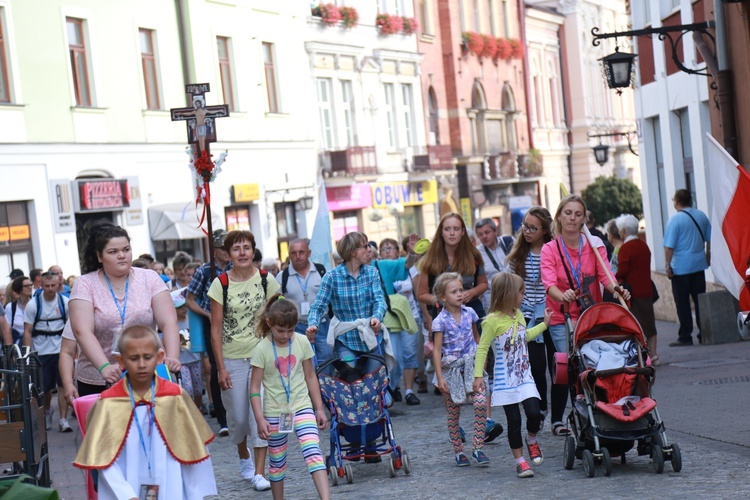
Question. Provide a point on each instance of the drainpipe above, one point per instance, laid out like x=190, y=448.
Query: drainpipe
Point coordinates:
x=522, y=25
x=725, y=94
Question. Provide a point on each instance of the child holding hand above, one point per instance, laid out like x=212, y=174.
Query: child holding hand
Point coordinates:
x=455, y=344
x=505, y=329
x=282, y=361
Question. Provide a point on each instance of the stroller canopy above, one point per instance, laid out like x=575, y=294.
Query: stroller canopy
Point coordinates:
x=607, y=321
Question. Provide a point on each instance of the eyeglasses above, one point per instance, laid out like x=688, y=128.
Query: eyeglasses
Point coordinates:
x=363, y=247
x=529, y=229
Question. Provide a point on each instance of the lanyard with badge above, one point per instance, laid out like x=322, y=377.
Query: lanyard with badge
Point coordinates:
x=286, y=418
x=147, y=482
x=305, y=305
x=121, y=309
x=584, y=300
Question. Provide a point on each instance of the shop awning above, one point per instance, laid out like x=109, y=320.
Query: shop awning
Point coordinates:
x=178, y=221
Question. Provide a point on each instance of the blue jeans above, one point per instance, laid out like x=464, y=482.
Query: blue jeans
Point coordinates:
x=323, y=351
x=558, y=334
x=404, y=347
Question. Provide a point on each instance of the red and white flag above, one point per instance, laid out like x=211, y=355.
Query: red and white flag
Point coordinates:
x=730, y=242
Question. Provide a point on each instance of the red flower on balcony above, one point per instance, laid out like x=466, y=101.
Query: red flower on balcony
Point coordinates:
x=518, y=49
x=329, y=13
x=504, y=49
x=490, y=46
x=473, y=42
x=411, y=25
x=349, y=16
x=388, y=24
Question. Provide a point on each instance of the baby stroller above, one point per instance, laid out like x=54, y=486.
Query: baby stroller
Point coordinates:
x=612, y=405
x=360, y=417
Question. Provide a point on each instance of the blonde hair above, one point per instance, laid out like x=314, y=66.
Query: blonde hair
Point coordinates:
x=504, y=291
x=137, y=332
x=279, y=311
x=557, y=226
x=442, y=282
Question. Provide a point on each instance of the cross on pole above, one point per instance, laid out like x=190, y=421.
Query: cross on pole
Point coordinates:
x=201, y=131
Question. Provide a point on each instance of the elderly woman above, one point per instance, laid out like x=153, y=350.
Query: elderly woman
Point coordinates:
x=109, y=297
x=634, y=270
x=235, y=312
x=571, y=274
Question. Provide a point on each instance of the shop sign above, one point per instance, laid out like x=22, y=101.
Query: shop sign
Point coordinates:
x=466, y=211
x=61, y=200
x=406, y=193
x=351, y=197
x=245, y=193
x=19, y=233
x=103, y=195
x=4, y=234
x=134, y=214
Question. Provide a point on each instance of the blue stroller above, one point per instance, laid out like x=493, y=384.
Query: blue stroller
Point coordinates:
x=359, y=417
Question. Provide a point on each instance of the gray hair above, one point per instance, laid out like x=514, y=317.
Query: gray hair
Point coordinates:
x=484, y=222
x=627, y=223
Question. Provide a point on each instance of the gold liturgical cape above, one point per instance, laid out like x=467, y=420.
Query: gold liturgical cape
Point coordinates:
x=178, y=420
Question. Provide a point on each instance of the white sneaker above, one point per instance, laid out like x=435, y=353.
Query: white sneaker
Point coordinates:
x=223, y=432
x=247, y=468
x=48, y=418
x=260, y=483
x=64, y=426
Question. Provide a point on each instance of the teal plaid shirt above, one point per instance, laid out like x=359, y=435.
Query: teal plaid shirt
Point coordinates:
x=351, y=298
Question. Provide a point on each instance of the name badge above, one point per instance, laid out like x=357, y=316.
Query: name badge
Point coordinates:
x=286, y=422
x=304, y=308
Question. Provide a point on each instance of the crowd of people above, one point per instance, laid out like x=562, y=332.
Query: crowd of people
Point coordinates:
x=479, y=320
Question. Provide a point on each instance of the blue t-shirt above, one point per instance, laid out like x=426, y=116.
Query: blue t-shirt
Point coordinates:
x=683, y=237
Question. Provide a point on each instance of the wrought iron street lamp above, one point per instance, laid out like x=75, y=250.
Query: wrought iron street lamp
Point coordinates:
x=601, y=151
x=618, y=68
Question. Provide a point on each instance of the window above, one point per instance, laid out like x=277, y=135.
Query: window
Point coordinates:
x=425, y=14
x=347, y=103
x=4, y=88
x=325, y=106
x=434, y=118
x=270, y=70
x=687, y=150
x=408, y=101
x=225, y=69
x=390, y=114
x=506, y=19
x=397, y=7
x=16, y=251
x=477, y=26
x=237, y=218
x=148, y=64
x=660, y=172
x=491, y=14
x=343, y=224
x=78, y=63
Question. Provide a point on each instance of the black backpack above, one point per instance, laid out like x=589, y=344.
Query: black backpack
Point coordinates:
x=321, y=271
x=37, y=318
x=224, y=280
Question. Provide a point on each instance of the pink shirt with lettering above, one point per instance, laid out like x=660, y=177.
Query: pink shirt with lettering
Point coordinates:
x=144, y=285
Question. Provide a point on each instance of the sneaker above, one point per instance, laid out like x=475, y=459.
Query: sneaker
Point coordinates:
x=223, y=432
x=524, y=470
x=247, y=468
x=493, y=431
x=412, y=399
x=48, y=418
x=64, y=426
x=480, y=458
x=535, y=453
x=462, y=461
x=260, y=483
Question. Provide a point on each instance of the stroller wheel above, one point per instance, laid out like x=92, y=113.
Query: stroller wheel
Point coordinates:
x=606, y=462
x=391, y=466
x=657, y=456
x=569, y=452
x=349, y=473
x=588, y=463
x=406, y=463
x=676, y=458
x=334, y=475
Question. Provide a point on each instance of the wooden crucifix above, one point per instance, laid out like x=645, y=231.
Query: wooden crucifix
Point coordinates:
x=201, y=130
x=201, y=119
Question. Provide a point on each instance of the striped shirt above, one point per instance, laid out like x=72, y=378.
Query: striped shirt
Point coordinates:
x=534, y=287
x=351, y=298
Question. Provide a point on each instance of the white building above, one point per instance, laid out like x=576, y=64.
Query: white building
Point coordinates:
x=85, y=105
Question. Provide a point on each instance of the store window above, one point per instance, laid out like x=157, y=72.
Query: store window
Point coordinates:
x=237, y=218
x=410, y=221
x=286, y=225
x=344, y=222
x=15, y=238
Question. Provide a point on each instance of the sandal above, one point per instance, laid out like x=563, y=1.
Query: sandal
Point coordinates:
x=559, y=429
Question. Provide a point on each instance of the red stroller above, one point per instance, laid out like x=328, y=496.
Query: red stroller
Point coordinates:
x=612, y=407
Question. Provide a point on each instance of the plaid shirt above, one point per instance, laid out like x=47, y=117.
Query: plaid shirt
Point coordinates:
x=201, y=282
x=352, y=298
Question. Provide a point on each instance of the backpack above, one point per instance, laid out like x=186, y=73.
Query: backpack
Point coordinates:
x=506, y=243
x=224, y=280
x=37, y=318
x=321, y=271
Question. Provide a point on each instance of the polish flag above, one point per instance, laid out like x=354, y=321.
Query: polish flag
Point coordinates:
x=730, y=247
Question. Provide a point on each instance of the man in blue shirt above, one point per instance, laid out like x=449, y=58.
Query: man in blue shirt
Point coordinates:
x=687, y=253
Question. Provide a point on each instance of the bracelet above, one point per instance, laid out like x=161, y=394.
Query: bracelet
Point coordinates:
x=104, y=366
x=254, y=395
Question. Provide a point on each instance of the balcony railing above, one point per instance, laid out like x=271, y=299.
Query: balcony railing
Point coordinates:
x=356, y=160
x=434, y=158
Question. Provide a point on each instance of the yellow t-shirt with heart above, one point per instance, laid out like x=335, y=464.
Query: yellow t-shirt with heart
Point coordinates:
x=274, y=401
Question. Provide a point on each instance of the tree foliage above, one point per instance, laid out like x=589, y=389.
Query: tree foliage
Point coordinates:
x=609, y=197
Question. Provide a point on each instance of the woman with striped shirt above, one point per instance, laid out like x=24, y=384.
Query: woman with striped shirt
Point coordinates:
x=524, y=260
